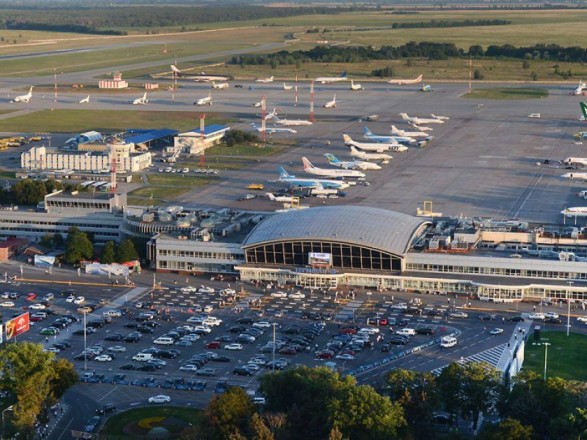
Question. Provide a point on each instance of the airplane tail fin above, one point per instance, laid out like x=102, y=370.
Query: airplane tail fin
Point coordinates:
x=394, y=129
x=307, y=163
x=419, y=78
x=343, y=74
x=270, y=195
x=404, y=116
x=282, y=172
x=347, y=139
x=331, y=158
x=367, y=131
x=584, y=109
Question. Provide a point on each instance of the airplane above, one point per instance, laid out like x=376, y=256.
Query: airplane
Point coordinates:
x=219, y=86
x=573, y=176
x=273, y=114
x=85, y=100
x=200, y=77
x=321, y=191
x=351, y=165
x=205, y=101
x=24, y=98
x=272, y=130
x=287, y=199
x=369, y=156
x=311, y=169
x=289, y=122
x=577, y=211
x=286, y=87
x=141, y=101
x=257, y=104
x=332, y=79
x=383, y=138
x=417, y=120
x=331, y=104
x=419, y=127
x=401, y=82
x=580, y=88
x=284, y=176
x=356, y=86
x=577, y=161
x=379, y=147
x=583, y=106
x=396, y=131
x=442, y=118
x=265, y=80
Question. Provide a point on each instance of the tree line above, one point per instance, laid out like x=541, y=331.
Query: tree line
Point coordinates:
x=50, y=27
x=316, y=403
x=426, y=50
x=448, y=24
x=30, y=192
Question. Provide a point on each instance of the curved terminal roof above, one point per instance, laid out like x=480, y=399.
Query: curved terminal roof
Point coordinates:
x=377, y=228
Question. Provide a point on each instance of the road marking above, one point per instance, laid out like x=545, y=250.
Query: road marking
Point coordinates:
x=64, y=430
x=108, y=393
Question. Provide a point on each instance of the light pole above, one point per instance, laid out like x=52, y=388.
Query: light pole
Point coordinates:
x=546, y=344
x=274, y=324
x=569, y=308
x=85, y=344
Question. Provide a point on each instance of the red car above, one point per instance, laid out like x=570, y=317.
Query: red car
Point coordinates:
x=383, y=321
x=348, y=331
x=325, y=354
x=213, y=344
x=35, y=318
x=31, y=296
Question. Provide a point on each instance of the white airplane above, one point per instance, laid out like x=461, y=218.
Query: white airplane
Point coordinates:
x=397, y=132
x=369, y=156
x=577, y=211
x=419, y=127
x=205, y=101
x=286, y=199
x=582, y=87
x=265, y=80
x=442, y=118
x=311, y=169
x=319, y=190
x=284, y=176
x=273, y=114
x=417, y=120
x=290, y=122
x=578, y=161
x=379, y=147
x=351, y=165
x=257, y=104
x=331, y=104
x=384, y=138
x=573, y=176
x=85, y=100
x=200, y=77
x=286, y=87
x=332, y=79
x=356, y=86
x=272, y=130
x=24, y=98
x=401, y=82
x=141, y=101
x=219, y=86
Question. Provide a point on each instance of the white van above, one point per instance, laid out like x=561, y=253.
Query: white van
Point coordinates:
x=448, y=342
x=142, y=357
x=164, y=340
x=406, y=332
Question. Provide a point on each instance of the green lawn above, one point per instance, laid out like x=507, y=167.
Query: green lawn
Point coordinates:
x=67, y=121
x=133, y=423
x=567, y=357
x=163, y=187
x=508, y=93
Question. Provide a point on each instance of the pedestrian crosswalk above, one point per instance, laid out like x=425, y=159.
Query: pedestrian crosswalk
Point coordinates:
x=491, y=356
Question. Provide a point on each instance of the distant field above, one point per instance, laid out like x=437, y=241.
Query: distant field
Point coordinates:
x=508, y=93
x=567, y=357
x=164, y=187
x=68, y=121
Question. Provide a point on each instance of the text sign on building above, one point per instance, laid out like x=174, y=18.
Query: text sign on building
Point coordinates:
x=17, y=326
x=319, y=259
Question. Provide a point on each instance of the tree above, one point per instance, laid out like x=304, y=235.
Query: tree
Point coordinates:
x=229, y=413
x=478, y=75
x=58, y=241
x=47, y=241
x=335, y=434
x=65, y=377
x=29, y=192
x=481, y=388
x=109, y=253
x=508, y=429
x=259, y=429
x=126, y=252
x=78, y=246
x=525, y=64
x=449, y=388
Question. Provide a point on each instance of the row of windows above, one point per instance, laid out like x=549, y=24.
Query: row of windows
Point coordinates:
x=189, y=267
x=526, y=273
x=21, y=231
x=76, y=204
x=58, y=224
x=195, y=254
x=343, y=255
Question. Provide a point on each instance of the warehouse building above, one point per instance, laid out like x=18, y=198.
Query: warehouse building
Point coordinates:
x=195, y=141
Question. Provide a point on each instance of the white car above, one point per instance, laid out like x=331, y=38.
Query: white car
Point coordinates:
x=297, y=295
x=161, y=398
x=233, y=346
x=204, y=289
x=195, y=320
x=113, y=313
x=539, y=316
x=203, y=328
x=190, y=337
x=212, y=321
x=496, y=331
x=188, y=367
x=37, y=307
x=279, y=295
x=117, y=349
x=458, y=315
x=70, y=299
x=262, y=324
x=369, y=330
x=582, y=319
x=345, y=357
x=406, y=332
x=79, y=300
x=551, y=315
x=228, y=292
x=7, y=304
x=103, y=358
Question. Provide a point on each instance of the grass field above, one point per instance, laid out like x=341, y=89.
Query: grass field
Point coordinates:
x=133, y=423
x=165, y=187
x=68, y=121
x=567, y=357
x=508, y=93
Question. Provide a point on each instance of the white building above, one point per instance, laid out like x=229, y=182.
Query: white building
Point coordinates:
x=43, y=158
x=195, y=142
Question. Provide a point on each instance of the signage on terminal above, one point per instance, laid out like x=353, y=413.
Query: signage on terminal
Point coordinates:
x=319, y=259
